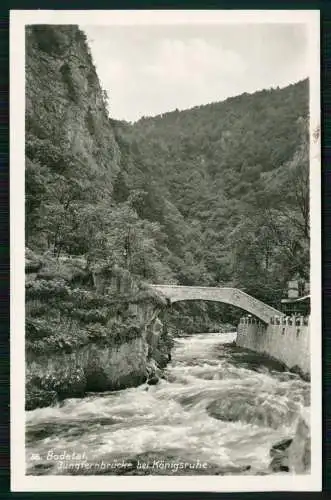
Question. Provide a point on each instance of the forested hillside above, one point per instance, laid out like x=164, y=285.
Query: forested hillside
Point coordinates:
x=215, y=195
x=73, y=160
x=229, y=183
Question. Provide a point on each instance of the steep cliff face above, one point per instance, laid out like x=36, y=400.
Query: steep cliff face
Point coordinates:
x=65, y=104
x=90, y=326
x=72, y=156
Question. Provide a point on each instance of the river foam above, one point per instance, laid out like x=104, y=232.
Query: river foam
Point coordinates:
x=218, y=405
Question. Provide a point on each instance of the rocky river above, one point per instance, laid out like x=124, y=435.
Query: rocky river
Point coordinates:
x=218, y=410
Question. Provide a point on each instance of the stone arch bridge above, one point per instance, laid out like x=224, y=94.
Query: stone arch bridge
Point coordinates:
x=231, y=296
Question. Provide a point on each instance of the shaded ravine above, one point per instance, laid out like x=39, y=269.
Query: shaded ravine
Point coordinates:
x=218, y=411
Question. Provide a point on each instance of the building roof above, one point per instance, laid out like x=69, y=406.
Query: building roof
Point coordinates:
x=300, y=299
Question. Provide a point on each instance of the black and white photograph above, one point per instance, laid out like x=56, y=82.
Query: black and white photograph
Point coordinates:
x=165, y=200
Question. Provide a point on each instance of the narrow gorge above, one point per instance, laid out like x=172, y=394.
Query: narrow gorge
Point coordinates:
x=200, y=197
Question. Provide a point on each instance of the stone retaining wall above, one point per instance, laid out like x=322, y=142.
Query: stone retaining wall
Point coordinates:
x=287, y=340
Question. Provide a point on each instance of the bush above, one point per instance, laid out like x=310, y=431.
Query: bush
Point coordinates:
x=91, y=316
x=43, y=289
x=37, y=328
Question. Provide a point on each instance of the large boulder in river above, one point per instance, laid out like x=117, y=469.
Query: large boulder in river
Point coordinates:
x=293, y=454
x=153, y=380
x=299, y=451
x=279, y=454
x=39, y=398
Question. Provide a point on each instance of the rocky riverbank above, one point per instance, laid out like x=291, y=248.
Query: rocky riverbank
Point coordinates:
x=293, y=454
x=88, y=330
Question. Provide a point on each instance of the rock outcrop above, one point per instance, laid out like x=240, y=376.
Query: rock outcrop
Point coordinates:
x=293, y=454
x=86, y=335
x=65, y=104
x=299, y=450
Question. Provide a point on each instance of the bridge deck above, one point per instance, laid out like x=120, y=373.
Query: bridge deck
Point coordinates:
x=232, y=296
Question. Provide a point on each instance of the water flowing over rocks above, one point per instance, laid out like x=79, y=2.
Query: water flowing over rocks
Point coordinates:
x=206, y=408
x=247, y=406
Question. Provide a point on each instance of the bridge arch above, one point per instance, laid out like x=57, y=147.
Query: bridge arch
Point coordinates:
x=231, y=296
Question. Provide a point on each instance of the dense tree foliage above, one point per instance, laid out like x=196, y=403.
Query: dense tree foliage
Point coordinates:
x=217, y=195
x=238, y=174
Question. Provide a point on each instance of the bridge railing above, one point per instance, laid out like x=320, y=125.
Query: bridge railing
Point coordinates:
x=278, y=320
x=251, y=320
x=290, y=320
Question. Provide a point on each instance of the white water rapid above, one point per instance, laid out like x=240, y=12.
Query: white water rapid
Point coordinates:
x=218, y=411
